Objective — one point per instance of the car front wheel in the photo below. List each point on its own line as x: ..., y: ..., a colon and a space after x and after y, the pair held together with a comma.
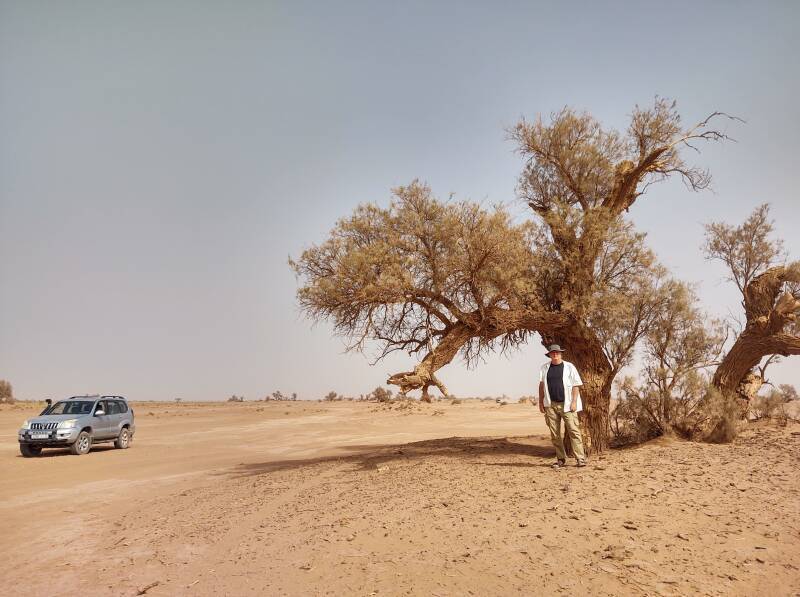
x: 123, y: 440
x: 29, y: 451
x: 82, y: 445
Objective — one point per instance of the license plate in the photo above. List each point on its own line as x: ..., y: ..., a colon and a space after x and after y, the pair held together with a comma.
x: 40, y: 435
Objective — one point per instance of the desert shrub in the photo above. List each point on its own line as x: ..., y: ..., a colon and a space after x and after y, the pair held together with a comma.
x: 455, y: 401
x: 331, y: 396
x: 6, y: 392
x: 380, y: 394
x: 771, y: 406
x: 235, y: 398
x: 703, y: 414
x: 632, y: 420
x: 722, y: 415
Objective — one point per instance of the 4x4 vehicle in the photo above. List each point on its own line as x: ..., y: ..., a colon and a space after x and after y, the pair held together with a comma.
x: 77, y: 423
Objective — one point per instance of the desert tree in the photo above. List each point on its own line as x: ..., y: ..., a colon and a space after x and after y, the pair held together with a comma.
x: 770, y: 288
x: 436, y: 279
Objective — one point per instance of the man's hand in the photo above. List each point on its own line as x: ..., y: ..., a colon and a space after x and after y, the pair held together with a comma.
x: 541, y: 406
x: 573, y: 406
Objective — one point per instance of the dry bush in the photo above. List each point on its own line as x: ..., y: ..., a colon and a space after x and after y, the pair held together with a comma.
x: 774, y: 405
x: 722, y: 416
x: 631, y: 423
x: 766, y: 407
x: 380, y: 394
x: 713, y: 417
x: 6, y: 392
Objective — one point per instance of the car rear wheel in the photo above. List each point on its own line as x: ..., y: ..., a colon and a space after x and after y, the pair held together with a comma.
x: 29, y: 451
x: 123, y: 440
x: 81, y: 445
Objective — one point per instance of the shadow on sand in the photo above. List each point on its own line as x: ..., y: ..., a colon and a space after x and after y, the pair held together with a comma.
x: 370, y: 457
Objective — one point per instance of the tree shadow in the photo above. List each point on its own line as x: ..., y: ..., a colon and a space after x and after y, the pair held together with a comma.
x: 370, y: 457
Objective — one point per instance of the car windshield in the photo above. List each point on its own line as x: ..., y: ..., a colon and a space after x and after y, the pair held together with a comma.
x: 71, y: 407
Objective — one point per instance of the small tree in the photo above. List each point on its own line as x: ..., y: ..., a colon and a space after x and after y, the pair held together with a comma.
x: 331, y: 396
x: 294, y: 396
x: 679, y: 346
x: 235, y: 398
x: 6, y: 392
x: 277, y: 395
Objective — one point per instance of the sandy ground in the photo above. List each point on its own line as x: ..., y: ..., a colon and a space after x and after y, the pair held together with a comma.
x: 361, y: 499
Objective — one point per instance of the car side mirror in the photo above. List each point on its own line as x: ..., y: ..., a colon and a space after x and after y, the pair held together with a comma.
x: 99, y: 413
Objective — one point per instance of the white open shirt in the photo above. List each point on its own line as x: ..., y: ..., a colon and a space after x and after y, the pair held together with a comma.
x: 571, y: 379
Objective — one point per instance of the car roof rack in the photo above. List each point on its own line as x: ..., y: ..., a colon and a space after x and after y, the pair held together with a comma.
x: 94, y: 396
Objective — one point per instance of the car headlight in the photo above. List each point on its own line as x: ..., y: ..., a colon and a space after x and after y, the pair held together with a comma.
x: 26, y: 424
x: 68, y: 424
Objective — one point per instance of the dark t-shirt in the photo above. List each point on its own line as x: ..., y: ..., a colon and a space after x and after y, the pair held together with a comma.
x: 555, y: 382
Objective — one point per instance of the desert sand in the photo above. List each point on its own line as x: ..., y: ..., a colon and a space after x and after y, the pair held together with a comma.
x: 346, y: 498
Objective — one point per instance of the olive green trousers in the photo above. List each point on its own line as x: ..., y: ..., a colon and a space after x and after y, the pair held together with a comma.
x: 553, y: 414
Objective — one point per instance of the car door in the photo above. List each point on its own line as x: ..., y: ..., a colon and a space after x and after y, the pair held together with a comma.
x: 101, y: 423
x: 114, y: 417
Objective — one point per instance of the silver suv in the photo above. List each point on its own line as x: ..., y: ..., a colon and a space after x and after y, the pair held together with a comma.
x: 77, y: 423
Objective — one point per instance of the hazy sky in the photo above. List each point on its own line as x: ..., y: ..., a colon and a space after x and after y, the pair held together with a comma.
x: 160, y: 161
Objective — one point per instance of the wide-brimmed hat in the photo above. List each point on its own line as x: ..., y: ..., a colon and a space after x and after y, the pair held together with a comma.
x: 554, y: 348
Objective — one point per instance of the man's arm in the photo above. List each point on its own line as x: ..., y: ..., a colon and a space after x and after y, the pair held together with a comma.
x: 573, y: 406
x: 541, y: 396
x: 576, y: 382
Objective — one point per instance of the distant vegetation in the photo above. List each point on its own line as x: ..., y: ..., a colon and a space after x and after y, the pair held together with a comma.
x: 6, y: 392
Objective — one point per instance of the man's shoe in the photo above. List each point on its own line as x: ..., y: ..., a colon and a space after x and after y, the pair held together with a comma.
x: 559, y: 464
x: 581, y: 463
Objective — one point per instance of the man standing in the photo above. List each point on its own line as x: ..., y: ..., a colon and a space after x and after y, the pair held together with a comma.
x: 559, y: 398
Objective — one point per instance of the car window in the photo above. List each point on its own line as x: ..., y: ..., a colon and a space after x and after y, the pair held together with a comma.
x: 123, y: 408
x: 113, y: 407
x: 70, y: 407
x: 101, y: 405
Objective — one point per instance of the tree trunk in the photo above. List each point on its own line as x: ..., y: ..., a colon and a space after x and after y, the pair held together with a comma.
x: 746, y: 353
x: 423, y: 376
